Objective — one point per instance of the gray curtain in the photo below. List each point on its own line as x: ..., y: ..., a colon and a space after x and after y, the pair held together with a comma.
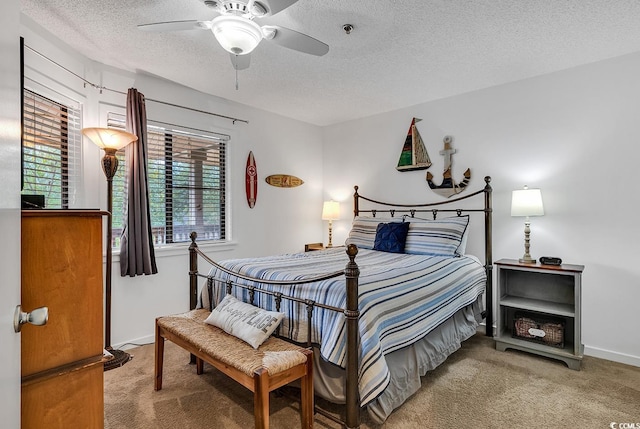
x: 137, y: 255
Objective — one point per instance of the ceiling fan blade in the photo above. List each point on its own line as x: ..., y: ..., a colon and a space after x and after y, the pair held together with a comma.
x: 240, y: 62
x: 176, y: 26
x: 274, y: 6
x: 293, y: 40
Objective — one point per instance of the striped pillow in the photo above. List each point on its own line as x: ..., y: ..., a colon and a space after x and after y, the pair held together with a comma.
x: 363, y: 231
x: 440, y: 237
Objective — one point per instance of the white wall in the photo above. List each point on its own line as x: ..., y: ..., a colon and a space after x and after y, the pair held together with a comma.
x: 574, y: 134
x: 283, y: 220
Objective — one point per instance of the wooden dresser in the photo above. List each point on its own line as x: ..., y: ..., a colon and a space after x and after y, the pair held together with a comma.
x: 62, y: 361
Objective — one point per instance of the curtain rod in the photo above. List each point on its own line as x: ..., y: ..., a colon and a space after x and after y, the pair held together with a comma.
x: 101, y: 88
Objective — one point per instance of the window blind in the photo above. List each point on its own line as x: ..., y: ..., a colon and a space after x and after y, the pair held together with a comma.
x: 186, y: 170
x: 51, y: 141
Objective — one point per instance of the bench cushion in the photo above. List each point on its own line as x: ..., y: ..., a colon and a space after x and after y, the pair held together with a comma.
x: 275, y: 355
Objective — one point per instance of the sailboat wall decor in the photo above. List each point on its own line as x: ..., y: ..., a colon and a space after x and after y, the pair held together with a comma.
x: 414, y: 154
x: 448, y: 187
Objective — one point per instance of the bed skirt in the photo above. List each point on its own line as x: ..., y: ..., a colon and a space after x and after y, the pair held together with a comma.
x: 406, y: 365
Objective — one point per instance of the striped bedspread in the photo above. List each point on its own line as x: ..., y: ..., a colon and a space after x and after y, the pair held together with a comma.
x: 401, y: 299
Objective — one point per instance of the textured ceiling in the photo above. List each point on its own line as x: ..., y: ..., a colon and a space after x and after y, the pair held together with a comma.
x: 400, y: 53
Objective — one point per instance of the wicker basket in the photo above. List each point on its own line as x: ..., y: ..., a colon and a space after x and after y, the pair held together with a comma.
x: 538, y: 329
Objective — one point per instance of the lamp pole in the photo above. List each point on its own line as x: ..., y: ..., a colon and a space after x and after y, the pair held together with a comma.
x: 110, y: 168
x: 527, y: 259
x: 110, y: 140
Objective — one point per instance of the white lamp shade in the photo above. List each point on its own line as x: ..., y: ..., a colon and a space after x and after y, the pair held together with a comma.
x: 527, y: 202
x: 107, y: 138
x: 235, y: 34
x: 330, y: 210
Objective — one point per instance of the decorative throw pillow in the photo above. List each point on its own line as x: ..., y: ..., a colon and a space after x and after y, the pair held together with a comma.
x: 391, y: 237
x: 245, y: 321
x: 363, y: 231
x: 440, y: 237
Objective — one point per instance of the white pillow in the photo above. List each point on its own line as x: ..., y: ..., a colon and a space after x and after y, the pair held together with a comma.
x: 245, y: 321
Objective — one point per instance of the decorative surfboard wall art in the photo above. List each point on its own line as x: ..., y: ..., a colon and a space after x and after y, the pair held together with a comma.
x: 251, y: 178
x: 448, y: 187
x: 283, y: 181
x: 414, y: 154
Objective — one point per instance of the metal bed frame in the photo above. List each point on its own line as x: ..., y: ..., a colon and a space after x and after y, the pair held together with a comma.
x: 351, y: 274
x: 432, y: 208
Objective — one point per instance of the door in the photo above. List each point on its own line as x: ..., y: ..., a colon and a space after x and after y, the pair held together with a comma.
x: 9, y: 211
x: 65, y: 275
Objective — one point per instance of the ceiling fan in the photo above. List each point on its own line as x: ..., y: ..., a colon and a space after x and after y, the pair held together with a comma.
x: 238, y: 33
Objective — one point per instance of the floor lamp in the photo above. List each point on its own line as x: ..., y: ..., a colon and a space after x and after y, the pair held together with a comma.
x: 110, y: 141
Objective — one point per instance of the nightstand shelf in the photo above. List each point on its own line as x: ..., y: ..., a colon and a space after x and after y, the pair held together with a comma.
x: 540, y: 293
x: 538, y: 305
x: 551, y: 352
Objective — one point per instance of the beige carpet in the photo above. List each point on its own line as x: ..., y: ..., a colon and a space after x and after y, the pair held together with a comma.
x: 477, y: 387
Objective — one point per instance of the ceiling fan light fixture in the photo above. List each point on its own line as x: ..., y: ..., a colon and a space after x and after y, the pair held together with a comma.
x: 235, y: 34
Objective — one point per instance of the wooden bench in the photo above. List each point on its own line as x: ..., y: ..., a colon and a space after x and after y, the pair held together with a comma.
x: 274, y: 364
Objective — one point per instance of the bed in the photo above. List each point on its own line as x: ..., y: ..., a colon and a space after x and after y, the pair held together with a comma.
x: 378, y: 316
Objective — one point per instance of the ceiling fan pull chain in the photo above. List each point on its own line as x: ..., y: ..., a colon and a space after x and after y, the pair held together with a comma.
x: 236, y: 79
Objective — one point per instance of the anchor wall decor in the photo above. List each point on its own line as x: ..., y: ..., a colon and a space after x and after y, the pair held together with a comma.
x: 448, y: 187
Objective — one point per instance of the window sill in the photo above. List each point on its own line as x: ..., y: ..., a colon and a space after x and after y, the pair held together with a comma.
x: 182, y: 249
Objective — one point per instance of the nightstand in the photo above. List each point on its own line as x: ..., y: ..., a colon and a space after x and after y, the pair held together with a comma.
x: 313, y: 246
x: 539, y: 309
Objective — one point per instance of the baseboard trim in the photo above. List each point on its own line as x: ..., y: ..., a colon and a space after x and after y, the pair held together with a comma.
x: 594, y: 352
x: 612, y: 356
x: 149, y: 339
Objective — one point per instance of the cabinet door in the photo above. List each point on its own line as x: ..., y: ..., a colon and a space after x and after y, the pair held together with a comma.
x: 62, y: 270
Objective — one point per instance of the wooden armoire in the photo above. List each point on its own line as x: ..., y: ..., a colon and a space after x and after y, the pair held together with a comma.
x: 62, y: 361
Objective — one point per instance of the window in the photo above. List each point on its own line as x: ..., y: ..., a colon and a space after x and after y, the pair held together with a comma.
x: 186, y: 172
x: 51, y: 141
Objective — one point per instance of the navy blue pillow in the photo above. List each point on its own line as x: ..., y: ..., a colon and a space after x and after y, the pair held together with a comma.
x: 391, y: 237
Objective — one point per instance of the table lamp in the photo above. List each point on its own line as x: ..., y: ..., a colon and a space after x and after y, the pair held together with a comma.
x: 330, y: 212
x: 527, y: 202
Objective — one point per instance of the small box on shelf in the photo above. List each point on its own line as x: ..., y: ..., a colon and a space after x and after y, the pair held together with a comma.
x: 313, y: 246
